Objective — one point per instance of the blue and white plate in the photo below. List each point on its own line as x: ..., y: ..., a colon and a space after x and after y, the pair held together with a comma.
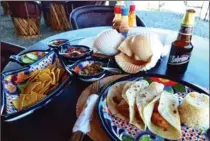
x: 9, y: 79
x: 121, y: 130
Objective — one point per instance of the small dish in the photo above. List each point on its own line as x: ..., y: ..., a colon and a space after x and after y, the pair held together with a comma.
x: 57, y: 43
x: 75, y: 52
x: 89, y: 70
x: 29, y: 57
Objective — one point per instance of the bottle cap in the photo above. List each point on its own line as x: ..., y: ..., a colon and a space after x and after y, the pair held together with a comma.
x: 125, y: 11
x: 117, y: 9
x: 189, y: 18
x: 132, y: 7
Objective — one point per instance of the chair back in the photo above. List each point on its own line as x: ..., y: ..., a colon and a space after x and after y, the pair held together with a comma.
x: 71, y: 5
x: 8, y: 49
x: 93, y: 15
x: 25, y: 9
x: 45, y: 6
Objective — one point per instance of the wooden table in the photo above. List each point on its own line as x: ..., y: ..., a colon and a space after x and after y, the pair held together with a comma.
x: 55, y: 121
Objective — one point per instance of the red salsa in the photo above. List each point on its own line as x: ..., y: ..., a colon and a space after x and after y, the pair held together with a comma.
x: 75, y: 52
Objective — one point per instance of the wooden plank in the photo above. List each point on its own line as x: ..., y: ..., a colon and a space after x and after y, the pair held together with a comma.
x: 21, y: 26
x: 54, y: 13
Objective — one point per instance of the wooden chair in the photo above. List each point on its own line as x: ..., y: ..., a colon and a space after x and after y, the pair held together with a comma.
x: 92, y: 16
x: 8, y: 49
x: 5, y: 7
x: 71, y: 5
x: 58, y: 16
x: 26, y: 17
x: 46, y: 12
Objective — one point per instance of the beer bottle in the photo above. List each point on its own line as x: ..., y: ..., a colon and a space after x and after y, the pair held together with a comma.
x: 182, y: 47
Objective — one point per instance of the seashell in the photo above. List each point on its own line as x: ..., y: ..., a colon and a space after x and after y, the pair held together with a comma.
x: 139, y: 46
x: 107, y: 42
x: 126, y: 64
x: 132, y: 53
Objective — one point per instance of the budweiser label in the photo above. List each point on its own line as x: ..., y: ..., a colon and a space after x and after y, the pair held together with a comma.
x: 179, y: 59
x: 186, y: 30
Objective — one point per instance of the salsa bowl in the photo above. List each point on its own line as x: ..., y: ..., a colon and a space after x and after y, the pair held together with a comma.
x: 89, y: 69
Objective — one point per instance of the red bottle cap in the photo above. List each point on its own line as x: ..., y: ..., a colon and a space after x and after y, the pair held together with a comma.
x: 132, y: 7
x: 117, y: 9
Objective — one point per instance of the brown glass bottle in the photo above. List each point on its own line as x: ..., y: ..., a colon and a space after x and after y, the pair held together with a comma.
x: 181, y: 48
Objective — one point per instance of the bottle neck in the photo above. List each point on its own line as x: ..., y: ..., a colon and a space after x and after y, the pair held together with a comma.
x: 132, y: 12
x: 186, y: 30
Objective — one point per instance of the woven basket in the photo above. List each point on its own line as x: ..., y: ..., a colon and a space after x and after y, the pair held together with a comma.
x: 27, y: 28
x: 59, y: 20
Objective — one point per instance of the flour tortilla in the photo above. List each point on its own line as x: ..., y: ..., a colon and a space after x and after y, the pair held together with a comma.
x: 125, y: 88
x: 147, y: 95
x: 168, y: 108
x: 134, y: 115
x: 115, y: 92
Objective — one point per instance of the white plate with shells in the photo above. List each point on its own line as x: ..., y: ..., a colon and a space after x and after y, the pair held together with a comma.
x: 140, y: 51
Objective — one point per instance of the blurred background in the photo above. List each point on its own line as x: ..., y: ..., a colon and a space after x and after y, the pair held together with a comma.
x: 157, y: 14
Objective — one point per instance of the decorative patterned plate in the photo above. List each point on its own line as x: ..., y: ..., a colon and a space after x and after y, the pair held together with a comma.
x: 121, y: 130
x: 11, y: 82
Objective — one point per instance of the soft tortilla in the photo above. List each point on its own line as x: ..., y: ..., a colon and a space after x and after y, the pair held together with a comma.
x: 115, y: 92
x: 130, y: 95
x: 145, y: 96
x: 125, y: 88
x: 167, y: 105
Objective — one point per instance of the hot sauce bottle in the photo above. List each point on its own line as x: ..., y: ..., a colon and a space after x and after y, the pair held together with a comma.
x: 117, y: 19
x: 124, y: 26
x: 132, y: 16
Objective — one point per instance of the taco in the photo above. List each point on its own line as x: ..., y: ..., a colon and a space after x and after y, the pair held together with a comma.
x: 115, y: 102
x: 145, y: 96
x: 130, y: 95
x: 162, y: 116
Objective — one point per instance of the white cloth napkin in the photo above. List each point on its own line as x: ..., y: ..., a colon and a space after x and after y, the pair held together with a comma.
x: 83, y: 122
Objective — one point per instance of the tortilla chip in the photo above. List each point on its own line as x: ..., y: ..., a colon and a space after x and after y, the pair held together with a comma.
x: 53, y: 82
x: 58, y: 71
x: 30, y: 87
x: 45, y: 77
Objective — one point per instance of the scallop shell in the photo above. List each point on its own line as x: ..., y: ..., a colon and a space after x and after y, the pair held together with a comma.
x: 107, y: 42
x: 142, y: 47
x: 126, y: 64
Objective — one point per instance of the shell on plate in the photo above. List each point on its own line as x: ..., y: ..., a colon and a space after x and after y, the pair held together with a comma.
x: 126, y: 64
x: 107, y: 42
x: 138, y: 46
x: 139, y: 52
